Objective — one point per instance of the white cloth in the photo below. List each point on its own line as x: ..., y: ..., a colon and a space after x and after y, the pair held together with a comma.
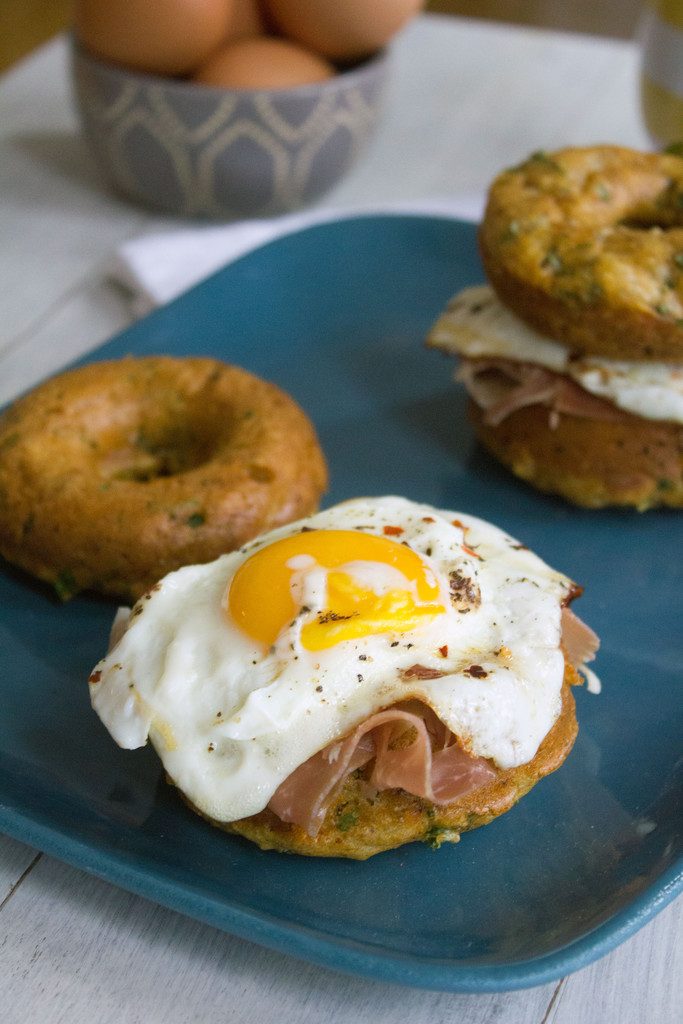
x: 157, y: 268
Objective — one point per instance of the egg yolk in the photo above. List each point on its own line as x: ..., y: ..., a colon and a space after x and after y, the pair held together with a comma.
x: 391, y: 590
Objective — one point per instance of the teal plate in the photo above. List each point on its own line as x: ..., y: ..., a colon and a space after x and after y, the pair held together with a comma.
x: 336, y: 315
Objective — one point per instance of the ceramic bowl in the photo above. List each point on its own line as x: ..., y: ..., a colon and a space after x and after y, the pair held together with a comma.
x: 201, y: 151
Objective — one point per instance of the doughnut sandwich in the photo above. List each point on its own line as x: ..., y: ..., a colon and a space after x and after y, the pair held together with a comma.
x: 375, y: 674
x: 573, y: 353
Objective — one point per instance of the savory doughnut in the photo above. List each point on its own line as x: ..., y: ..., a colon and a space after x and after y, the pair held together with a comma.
x: 586, y: 246
x: 592, y: 462
x: 597, y: 431
x: 333, y: 706
x: 113, y: 474
x: 361, y: 823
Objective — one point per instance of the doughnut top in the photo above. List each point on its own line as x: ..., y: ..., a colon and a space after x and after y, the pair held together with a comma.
x: 586, y: 246
x: 114, y: 473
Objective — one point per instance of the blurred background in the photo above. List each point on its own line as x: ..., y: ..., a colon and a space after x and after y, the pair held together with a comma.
x: 25, y: 24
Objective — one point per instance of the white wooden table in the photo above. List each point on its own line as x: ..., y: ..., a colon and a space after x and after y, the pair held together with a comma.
x: 467, y: 99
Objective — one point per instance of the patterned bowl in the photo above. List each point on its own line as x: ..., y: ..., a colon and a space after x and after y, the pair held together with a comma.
x: 208, y: 152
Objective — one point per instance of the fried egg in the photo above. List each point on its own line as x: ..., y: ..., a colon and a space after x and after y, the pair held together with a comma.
x: 476, y: 324
x: 241, y: 669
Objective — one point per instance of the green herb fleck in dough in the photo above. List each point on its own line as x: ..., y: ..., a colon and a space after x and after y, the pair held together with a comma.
x: 595, y: 292
x: 512, y: 231
x: 347, y: 820
x: 439, y: 834
x: 553, y: 262
x: 10, y: 440
x: 541, y: 157
x: 196, y: 519
x: 65, y: 585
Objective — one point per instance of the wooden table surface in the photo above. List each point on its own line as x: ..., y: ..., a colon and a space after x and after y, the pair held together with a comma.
x: 466, y: 99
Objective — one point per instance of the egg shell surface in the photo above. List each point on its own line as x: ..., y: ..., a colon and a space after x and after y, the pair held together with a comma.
x: 263, y: 62
x: 246, y: 19
x: 343, y: 30
x: 163, y: 37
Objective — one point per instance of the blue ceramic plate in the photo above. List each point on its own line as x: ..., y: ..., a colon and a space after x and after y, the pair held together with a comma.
x: 337, y: 315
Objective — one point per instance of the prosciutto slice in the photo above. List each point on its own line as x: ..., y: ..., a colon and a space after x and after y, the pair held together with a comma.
x: 412, y: 750
x: 578, y: 639
x: 502, y: 386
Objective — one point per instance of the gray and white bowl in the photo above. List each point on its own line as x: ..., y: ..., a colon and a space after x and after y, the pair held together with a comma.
x: 201, y: 151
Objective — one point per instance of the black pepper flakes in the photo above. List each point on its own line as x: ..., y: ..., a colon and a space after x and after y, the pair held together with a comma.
x: 476, y: 671
x: 464, y: 591
x: 325, y: 617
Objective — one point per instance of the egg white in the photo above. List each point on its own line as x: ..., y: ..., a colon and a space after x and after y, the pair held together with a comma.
x: 231, y: 721
x: 476, y: 324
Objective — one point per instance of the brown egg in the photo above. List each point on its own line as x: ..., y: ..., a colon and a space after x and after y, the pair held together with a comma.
x: 263, y: 62
x: 342, y: 30
x: 246, y: 19
x: 164, y: 37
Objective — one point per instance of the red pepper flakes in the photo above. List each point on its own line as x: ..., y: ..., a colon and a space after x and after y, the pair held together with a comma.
x: 422, y: 672
x: 95, y: 677
x: 470, y: 551
x: 443, y: 651
x: 393, y: 531
x: 476, y: 671
x: 456, y: 522
x: 428, y: 519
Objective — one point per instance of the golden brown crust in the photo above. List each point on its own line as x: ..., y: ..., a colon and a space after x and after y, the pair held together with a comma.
x: 630, y: 461
x: 357, y: 825
x: 114, y: 474
x: 586, y: 245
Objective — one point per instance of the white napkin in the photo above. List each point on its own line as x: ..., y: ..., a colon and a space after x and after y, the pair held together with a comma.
x: 157, y: 268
